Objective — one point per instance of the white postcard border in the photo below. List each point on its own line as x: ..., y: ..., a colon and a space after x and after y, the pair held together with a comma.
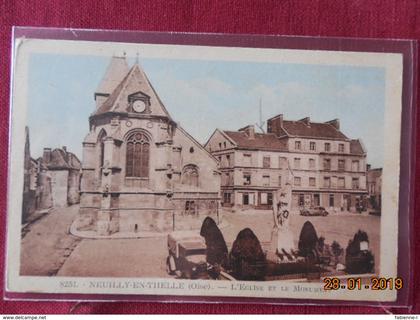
x: 391, y: 62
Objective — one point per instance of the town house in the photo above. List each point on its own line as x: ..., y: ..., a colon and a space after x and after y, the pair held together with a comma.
x: 324, y: 166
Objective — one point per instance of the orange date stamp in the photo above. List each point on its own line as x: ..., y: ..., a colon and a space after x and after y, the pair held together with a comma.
x: 374, y: 283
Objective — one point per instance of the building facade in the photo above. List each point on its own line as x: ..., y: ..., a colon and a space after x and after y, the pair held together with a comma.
x: 252, y: 165
x: 324, y: 167
x: 374, y: 186
x: 63, y: 169
x: 52, y: 180
x: 141, y: 170
x: 30, y: 170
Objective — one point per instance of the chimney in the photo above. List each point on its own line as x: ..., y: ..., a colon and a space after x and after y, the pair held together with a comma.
x: 249, y: 130
x: 46, y: 156
x: 335, y: 123
x: 368, y: 166
x: 275, y: 124
x: 306, y: 121
x: 65, y: 149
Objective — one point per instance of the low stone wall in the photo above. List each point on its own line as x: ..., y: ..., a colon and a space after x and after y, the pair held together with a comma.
x: 194, y: 222
x: 87, y: 219
x: 135, y: 213
x: 138, y: 221
x: 160, y: 220
x: 144, y: 220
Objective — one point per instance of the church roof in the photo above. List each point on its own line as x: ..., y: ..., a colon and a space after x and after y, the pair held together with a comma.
x: 114, y: 74
x: 134, y: 81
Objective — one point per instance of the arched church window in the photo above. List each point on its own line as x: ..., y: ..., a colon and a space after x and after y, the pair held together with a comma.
x: 190, y: 175
x: 137, y: 156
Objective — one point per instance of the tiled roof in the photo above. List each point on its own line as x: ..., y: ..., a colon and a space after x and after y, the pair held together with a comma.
x: 266, y: 141
x: 356, y: 147
x: 314, y: 129
x: 61, y: 159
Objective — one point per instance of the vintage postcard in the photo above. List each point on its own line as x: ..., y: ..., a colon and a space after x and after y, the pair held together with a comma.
x: 183, y: 170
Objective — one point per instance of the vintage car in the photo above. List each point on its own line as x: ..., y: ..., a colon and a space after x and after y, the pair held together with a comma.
x: 187, y: 255
x: 314, y: 211
x: 359, y: 258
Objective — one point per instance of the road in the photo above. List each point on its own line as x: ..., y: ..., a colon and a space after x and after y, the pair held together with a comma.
x: 48, y: 249
x: 117, y: 258
x: 47, y: 243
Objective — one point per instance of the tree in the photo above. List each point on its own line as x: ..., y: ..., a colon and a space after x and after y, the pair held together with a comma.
x: 247, y: 257
x: 217, y: 252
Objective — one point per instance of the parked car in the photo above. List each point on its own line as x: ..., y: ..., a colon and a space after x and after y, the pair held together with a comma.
x: 187, y: 255
x: 313, y: 211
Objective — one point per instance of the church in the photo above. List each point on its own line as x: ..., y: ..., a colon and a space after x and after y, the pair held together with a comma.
x: 141, y: 171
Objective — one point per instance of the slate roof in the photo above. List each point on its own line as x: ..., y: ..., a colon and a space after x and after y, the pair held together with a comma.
x: 356, y: 147
x: 270, y: 141
x: 116, y: 71
x: 262, y: 141
x: 313, y: 130
x: 110, y: 102
x: 134, y: 81
x: 374, y: 173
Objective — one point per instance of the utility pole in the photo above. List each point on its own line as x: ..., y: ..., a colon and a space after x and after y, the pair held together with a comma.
x: 261, y: 123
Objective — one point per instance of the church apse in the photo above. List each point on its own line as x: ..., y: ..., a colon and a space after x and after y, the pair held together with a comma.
x: 141, y: 170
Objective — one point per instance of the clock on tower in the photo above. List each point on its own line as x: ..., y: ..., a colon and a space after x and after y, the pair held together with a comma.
x: 139, y: 106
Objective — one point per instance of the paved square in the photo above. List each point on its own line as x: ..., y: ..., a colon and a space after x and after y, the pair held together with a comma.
x: 146, y: 257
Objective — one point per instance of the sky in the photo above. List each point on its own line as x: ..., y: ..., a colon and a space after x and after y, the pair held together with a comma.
x: 205, y: 95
